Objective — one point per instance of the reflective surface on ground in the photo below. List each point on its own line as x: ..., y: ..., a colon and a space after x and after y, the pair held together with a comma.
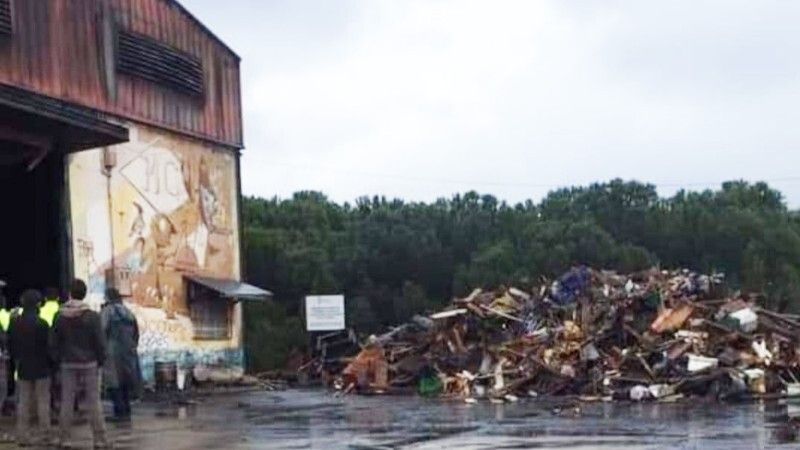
x: 314, y: 419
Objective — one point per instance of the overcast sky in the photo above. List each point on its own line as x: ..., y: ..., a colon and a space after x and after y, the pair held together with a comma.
x: 420, y: 99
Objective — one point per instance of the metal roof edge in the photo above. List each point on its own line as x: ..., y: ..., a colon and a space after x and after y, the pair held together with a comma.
x: 197, y: 21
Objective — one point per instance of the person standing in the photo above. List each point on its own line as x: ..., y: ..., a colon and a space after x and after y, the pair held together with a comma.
x: 121, y: 373
x: 50, y: 306
x: 28, y: 341
x: 80, y: 346
x: 5, y: 321
x: 48, y: 312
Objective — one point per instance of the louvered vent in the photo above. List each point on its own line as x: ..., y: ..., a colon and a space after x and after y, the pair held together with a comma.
x: 5, y: 17
x: 146, y: 58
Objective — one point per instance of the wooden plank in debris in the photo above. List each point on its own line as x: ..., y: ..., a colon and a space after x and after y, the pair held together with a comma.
x: 448, y: 314
x: 519, y: 293
x: 475, y: 310
x: 471, y: 297
x: 501, y: 314
x: 777, y: 316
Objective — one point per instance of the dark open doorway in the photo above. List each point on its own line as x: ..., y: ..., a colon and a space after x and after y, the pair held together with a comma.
x: 32, y: 222
x: 36, y: 133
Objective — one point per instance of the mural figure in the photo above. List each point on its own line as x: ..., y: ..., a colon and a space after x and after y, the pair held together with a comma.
x: 137, y: 227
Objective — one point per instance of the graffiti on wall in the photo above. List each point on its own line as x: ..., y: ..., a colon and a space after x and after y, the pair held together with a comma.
x: 158, y: 208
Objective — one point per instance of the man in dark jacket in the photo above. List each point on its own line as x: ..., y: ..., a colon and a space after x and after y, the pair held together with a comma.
x: 28, y: 341
x: 121, y: 373
x: 80, y: 346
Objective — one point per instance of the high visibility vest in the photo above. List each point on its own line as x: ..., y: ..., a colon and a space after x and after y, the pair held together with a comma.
x: 5, y: 319
x: 48, y: 311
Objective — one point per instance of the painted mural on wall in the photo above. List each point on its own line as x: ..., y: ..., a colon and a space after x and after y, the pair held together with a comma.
x: 155, y: 209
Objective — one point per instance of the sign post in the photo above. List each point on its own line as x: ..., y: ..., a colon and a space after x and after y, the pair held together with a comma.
x: 325, y: 313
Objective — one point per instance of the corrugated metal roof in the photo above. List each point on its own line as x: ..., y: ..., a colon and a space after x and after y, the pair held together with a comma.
x: 231, y: 288
x: 67, y: 49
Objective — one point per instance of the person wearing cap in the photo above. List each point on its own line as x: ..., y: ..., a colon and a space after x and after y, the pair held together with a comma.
x: 121, y: 372
x: 28, y: 338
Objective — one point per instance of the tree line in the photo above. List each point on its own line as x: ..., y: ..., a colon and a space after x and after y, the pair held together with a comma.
x: 393, y: 258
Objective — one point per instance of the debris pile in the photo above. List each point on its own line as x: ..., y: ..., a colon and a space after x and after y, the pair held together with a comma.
x: 653, y: 335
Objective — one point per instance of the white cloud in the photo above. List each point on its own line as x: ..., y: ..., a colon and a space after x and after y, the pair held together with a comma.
x: 422, y: 98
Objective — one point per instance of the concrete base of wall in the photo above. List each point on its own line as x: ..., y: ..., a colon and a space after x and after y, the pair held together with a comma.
x: 188, y: 359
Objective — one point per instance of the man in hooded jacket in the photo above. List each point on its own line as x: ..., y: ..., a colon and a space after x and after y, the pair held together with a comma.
x: 28, y: 341
x: 80, y: 346
x: 121, y: 373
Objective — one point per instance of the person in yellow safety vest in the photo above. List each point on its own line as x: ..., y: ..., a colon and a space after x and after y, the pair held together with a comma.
x: 50, y: 307
x: 5, y: 314
x: 5, y: 321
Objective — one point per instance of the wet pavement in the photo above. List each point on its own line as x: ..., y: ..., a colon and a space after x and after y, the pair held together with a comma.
x: 314, y: 419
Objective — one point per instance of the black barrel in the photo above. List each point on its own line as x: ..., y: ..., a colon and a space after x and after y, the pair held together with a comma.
x: 166, y: 376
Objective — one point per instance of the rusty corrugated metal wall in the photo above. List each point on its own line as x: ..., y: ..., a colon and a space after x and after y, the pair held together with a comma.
x: 60, y: 48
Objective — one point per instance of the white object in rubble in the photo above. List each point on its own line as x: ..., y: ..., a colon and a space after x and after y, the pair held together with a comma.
x: 181, y: 379
x: 793, y: 389
x: 466, y: 375
x: 499, y: 381
x: 639, y: 393
x: 533, y: 394
x: 760, y: 347
x: 754, y: 374
x: 691, y: 335
x: 470, y: 401
x: 589, y: 352
x: 699, y: 362
x: 660, y: 390
x: 629, y: 286
x: 748, y: 319
x: 511, y: 398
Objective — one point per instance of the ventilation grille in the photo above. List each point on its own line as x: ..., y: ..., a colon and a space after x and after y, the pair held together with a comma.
x: 5, y: 17
x: 143, y: 57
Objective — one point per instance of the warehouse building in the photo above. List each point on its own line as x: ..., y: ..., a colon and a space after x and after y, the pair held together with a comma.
x: 120, y: 137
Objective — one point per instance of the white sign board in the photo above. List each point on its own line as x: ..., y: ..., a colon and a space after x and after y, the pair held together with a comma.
x: 324, y: 312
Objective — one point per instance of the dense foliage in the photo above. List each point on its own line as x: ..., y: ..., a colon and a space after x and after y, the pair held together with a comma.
x: 392, y: 258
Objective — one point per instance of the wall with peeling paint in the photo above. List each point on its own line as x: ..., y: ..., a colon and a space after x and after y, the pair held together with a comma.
x: 165, y: 207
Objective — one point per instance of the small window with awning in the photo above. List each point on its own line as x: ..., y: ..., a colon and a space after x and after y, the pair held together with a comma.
x: 211, y: 304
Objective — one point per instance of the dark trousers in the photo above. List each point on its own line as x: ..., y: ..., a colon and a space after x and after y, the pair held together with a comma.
x: 121, y: 397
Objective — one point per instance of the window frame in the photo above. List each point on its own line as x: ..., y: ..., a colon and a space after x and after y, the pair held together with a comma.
x: 204, y: 303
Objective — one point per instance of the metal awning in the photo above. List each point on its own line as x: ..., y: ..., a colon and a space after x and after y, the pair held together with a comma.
x: 73, y: 126
x: 232, y: 289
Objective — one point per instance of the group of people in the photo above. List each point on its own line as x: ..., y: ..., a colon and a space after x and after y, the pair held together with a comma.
x: 45, y: 342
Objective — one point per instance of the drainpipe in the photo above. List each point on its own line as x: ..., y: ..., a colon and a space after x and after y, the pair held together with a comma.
x: 109, y: 161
